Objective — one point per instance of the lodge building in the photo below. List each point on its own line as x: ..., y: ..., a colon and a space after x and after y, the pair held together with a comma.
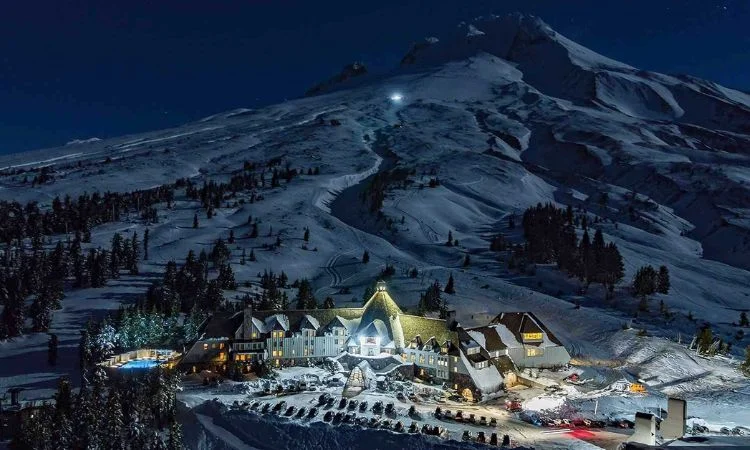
x: 471, y: 360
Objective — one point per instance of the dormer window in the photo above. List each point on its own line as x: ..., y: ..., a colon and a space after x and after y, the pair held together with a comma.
x: 532, y: 336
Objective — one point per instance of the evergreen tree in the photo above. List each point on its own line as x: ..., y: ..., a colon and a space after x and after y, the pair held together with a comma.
x: 252, y: 255
x: 134, y: 254
x: 305, y: 298
x: 432, y: 297
x: 705, y: 340
x: 114, y: 425
x: 449, y: 289
x: 230, y: 239
x: 254, y: 232
x: 449, y: 243
x: 365, y: 257
x: 175, y: 436
x: 226, y: 277
x: 52, y: 350
x: 467, y: 260
x: 743, y: 320
x: 745, y: 366
x: 115, y: 256
x: 242, y: 258
x: 306, y: 236
x: 645, y: 282
x: 145, y: 245
x: 663, y: 283
x: 328, y: 303
x: 195, y: 220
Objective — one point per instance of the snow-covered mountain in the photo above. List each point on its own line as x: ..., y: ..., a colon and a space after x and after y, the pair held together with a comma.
x: 507, y: 113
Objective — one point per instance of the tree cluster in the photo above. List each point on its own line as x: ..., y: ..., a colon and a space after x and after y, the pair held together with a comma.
x: 551, y: 238
x: 139, y: 413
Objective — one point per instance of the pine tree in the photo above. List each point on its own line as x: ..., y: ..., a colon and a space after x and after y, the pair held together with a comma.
x: 305, y: 298
x: 467, y: 260
x: 254, y: 232
x: 145, y: 245
x: 365, y: 257
x: 663, y: 280
x: 743, y: 320
x: 705, y: 340
x: 226, y: 277
x: 745, y: 366
x: 449, y: 289
x: 252, y: 255
x: 175, y: 436
x: 195, y: 220
x: 449, y: 243
x: 645, y: 282
x: 52, y: 350
x: 306, y: 236
x: 328, y: 303
x: 230, y: 239
x: 114, y: 425
x: 134, y: 254
x: 242, y: 258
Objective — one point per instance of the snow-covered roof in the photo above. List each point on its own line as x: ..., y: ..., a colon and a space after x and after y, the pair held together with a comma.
x: 311, y: 321
x: 487, y: 379
x: 277, y: 319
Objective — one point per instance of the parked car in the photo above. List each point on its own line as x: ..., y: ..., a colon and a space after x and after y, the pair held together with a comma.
x: 342, y: 403
x: 483, y: 421
x: 389, y: 409
x: 413, y: 427
x: 313, y: 412
x: 481, y: 438
x: 353, y: 404
x: 290, y: 411
x: 471, y: 419
x: 493, y: 439
x: 363, y: 406
x: 447, y: 415
x: 301, y: 412
x: 399, y: 427
x: 493, y: 422
x: 467, y: 436
x: 401, y: 396
x: 323, y: 398
x: 328, y: 416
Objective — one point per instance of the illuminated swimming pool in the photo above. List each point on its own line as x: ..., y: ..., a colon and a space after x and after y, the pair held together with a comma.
x: 141, y: 364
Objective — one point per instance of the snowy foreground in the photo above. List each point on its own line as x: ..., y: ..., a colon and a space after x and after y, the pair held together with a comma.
x: 504, y: 124
x: 220, y: 423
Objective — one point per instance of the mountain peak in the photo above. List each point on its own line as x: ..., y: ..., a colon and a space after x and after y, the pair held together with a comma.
x: 514, y: 37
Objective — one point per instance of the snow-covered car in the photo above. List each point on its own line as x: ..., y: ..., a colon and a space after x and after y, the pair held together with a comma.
x: 342, y: 403
x: 301, y: 412
x: 481, y: 437
x: 353, y: 404
x: 493, y: 422
x: 328, y: 416
x: 290, y: 411
x: 363, y: 406
x: 313, y: 412
x: 467, y: 436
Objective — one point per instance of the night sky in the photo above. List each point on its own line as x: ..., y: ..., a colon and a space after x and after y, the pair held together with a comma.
x: 77, y: 69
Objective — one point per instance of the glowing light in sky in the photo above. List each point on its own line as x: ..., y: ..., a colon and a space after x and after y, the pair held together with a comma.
x: 396, y: 97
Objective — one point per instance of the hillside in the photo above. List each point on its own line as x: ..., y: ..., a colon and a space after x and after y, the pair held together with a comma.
x: 505, y: 113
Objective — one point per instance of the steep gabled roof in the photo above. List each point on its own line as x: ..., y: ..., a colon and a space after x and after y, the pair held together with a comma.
x: 523, y: 322
x: 222, y: 324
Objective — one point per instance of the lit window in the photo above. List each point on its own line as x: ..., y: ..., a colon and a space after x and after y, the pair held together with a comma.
x: 213, y: 345
x: 432, y: 360
x: 455, y: 369
x: 205, y: 346
x: 412, y: 357
x: 221, y: 346
x: 421, y: 359
x: 254, y: 335
x: 455, y: 359
x: 534, y: 351
x: 532, y: 336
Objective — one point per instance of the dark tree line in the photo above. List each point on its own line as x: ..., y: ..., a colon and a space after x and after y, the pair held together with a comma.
x: 138, y: 413
x: 551, y: 238
x: 43, y: 275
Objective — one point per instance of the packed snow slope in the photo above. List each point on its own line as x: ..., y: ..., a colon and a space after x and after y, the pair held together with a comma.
x: 506, y: 113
